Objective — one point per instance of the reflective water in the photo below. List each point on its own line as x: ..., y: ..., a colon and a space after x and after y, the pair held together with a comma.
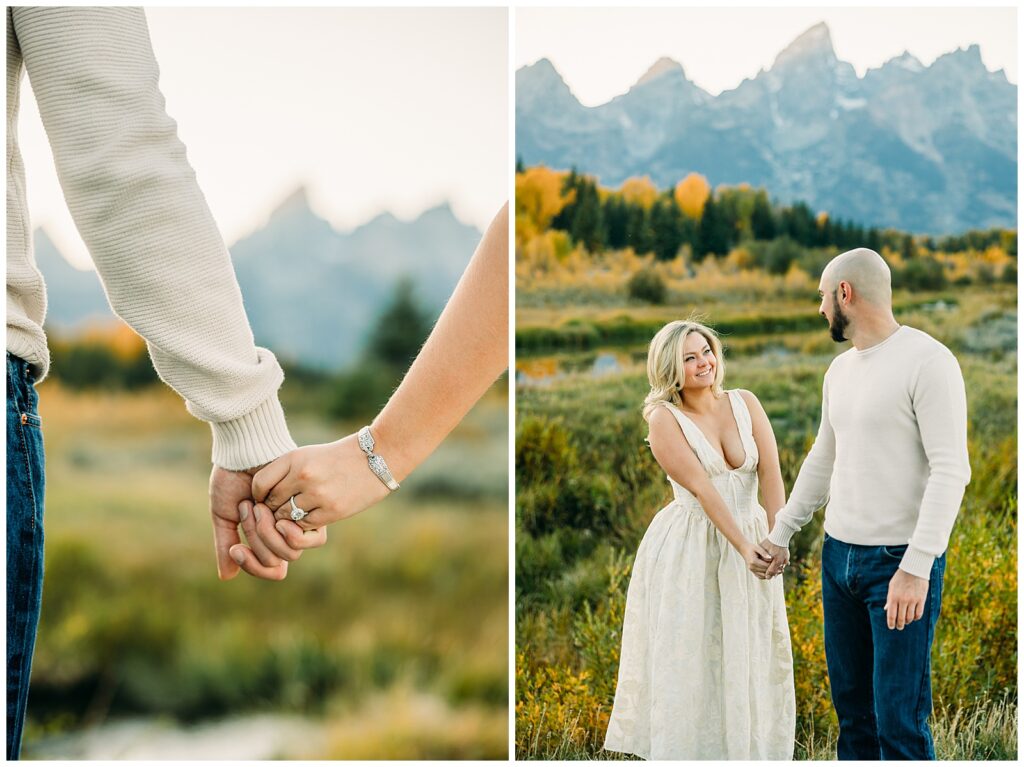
x: 256, y: 737
x: 542, y: 371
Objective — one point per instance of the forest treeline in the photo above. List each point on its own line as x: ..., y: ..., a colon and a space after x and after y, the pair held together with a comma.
x: 696, y: 221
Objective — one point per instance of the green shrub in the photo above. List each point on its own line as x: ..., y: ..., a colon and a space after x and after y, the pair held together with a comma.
x: 920, y: 274
x: 647, y: 285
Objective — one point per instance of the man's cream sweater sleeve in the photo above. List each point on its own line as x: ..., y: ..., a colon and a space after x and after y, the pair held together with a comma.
x: 811, y: 489
x: 136, y: 203
x: 940, y: 405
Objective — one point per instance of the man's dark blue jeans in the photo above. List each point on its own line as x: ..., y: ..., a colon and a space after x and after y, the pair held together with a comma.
x: 881, y: 677
x: 24, y: 541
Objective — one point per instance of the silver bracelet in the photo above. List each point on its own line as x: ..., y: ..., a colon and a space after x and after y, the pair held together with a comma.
x: 377, y: 464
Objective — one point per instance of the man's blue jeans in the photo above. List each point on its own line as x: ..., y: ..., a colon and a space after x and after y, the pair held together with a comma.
x: 24, y: 541
x: 881, y: 677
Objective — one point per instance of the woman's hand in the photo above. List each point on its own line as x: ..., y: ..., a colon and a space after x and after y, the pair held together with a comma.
x: 757, y: 559
x: 269, y: 550
x: 329, y: 482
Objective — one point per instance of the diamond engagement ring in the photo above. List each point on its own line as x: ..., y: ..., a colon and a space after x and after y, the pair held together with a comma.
x: 297, y: 513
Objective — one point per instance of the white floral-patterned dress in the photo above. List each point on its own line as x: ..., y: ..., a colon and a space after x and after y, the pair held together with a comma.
x: 706, y: 668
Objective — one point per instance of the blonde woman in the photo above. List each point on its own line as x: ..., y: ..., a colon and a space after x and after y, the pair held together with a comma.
x: 706, y: 667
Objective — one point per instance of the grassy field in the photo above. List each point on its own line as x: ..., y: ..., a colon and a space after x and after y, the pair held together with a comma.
x: 587, y: 487
x: 392, y: 639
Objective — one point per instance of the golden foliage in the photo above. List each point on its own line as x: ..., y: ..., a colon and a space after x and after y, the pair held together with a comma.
x: 539, y: 198
x: 555, y: 707
x: 639, y: 190
x: 122, y: 341
x: 691, y: 193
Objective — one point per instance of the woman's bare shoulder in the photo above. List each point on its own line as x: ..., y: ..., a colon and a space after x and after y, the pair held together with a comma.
x: 661, y: 416
x: 750, y: 398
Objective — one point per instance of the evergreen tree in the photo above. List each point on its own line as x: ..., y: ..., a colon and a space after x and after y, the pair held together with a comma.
x: 639, y: 233
x: 565, y: 217
x: 798, y: 223
x: 587, y: 227
x: 616, y: 219
x: 688, y: 233
x: 824, y: 234
x: 713, y: 233
x: 762, y: 220
x: 907, y: 248
x: 400, y: 331
x: 665, y: 220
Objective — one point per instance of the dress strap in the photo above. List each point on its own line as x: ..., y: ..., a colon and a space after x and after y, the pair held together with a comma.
x: 744, y: 422
x: 695, y: 437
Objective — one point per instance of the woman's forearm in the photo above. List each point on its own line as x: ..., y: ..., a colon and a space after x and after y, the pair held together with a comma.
x: 773, y: 492
x: 466, y: 351
x: 716, y: 510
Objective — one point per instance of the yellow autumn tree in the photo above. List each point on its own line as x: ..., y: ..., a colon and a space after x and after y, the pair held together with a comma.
x: 539, y: 198
x: 691, y: 193
x: 639, y: 190
x: 123, y: 342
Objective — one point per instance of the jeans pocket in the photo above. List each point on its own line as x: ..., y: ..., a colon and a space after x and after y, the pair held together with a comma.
x: 895, y: 552
x: 31, y: 420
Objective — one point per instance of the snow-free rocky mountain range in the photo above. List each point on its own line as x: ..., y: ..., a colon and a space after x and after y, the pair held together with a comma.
x: 311, y: 293
x: 924, y: 149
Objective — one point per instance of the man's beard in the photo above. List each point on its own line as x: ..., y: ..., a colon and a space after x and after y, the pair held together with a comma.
x: 837, y: 327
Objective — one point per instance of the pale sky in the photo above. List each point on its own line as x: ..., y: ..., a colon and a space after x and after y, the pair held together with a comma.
x: 601, y: 52
x: 372, y: 109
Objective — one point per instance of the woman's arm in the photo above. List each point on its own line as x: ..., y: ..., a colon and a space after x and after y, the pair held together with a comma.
x: 769, y: 473
x: 466, y: 351
x: 674, y: 454
x: 464, y: 354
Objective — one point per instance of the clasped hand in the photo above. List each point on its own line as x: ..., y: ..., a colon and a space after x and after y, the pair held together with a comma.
x: 329, y: 482
x: 766, y: 560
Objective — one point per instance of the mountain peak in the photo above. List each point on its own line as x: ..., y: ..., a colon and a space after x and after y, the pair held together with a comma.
x: 540, y: 81
x: 440, y: 212
x: 964, y: 60
x: 659, y: 68
x: 908, y: 61
x: 542, y: 70
x: 814, y: 43
x: 296, y: 202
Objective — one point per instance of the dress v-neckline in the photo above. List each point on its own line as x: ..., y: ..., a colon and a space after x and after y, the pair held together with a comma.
x: 721, y: 455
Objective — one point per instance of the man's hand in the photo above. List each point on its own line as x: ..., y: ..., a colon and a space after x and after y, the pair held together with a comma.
x: 779, y: 555
x: 905, y: 603
x: 231, y: 505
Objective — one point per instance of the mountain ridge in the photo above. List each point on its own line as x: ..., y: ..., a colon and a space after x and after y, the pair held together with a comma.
x: 930, y: 149
x: 311, y: 292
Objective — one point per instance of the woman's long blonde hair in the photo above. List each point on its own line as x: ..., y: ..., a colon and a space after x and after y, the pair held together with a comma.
x: 665, y: 363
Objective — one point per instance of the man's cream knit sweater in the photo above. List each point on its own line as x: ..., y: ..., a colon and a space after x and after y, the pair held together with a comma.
x: 135, y: 201
x: 890, y: 457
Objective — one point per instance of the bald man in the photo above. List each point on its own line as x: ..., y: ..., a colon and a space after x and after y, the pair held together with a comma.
x: 890, y: 461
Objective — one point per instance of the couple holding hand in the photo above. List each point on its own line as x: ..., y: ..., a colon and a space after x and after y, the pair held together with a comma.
x: 706, y: 667
x: 167, y: 274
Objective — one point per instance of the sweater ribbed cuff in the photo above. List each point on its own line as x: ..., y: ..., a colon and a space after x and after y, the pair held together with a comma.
x: 253, y: 439
x: 917, y: 562
x: 781, y: 533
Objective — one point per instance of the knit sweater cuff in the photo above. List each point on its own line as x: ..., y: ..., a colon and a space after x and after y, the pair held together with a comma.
x: 782, y: 533
x: 917, y: 562
x: 252, y: 440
